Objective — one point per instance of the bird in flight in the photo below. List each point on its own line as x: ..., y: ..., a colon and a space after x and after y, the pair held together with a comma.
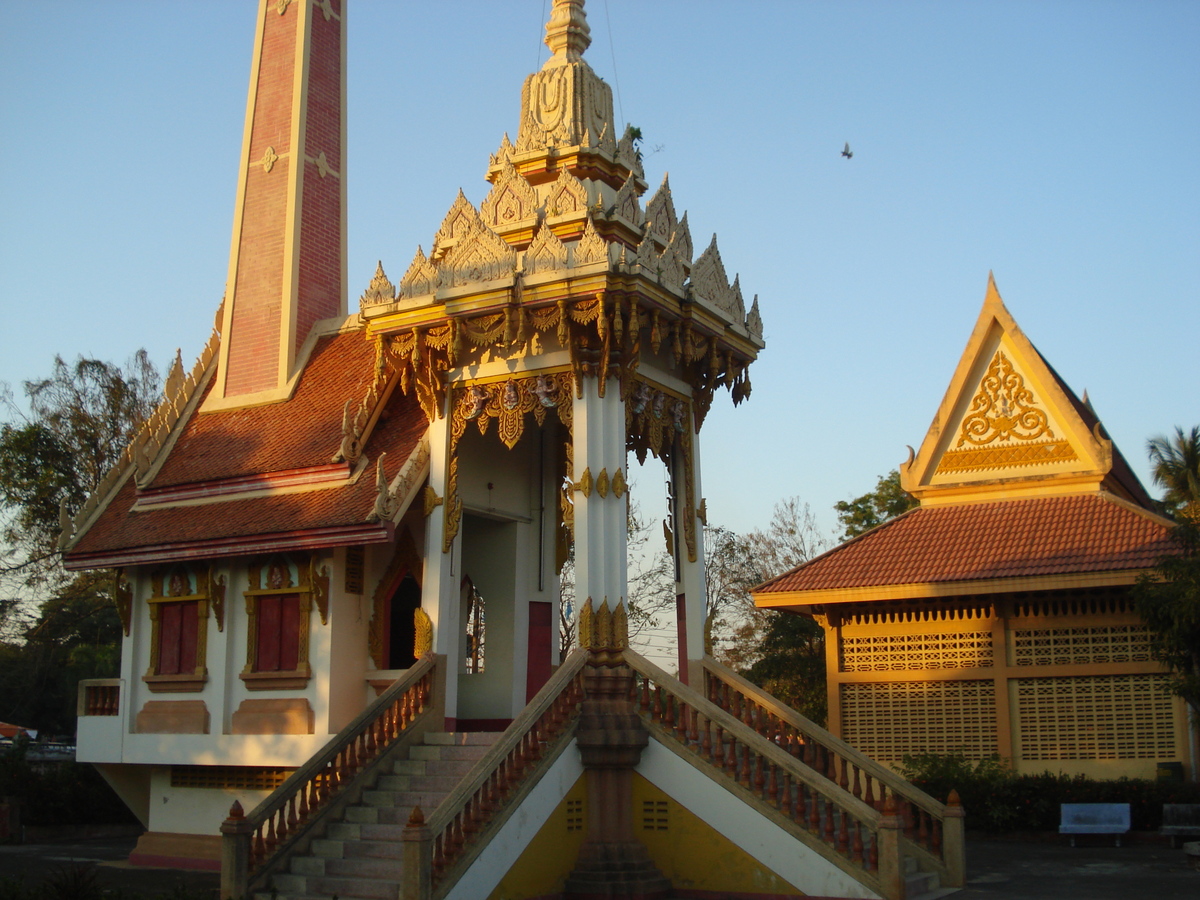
x: 846, y: 151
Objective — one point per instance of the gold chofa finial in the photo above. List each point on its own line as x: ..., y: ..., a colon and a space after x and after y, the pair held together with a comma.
x: 567, y: 32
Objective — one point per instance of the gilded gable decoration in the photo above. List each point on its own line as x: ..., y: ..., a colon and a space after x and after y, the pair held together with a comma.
x: 671, y: 271
x: 461, y: 220
x: 478, y: 255
x: 626, y: 152
x: 681, y: 241
x: 1008, y: 426
x: 511, y: 205
x: 394, y: 497
x: 504, y: 153
x: 420, y: 279
x: 754, y: 322
x: 711, y: 286
x: 1004, y: 426
x: 660, y: 214
x: 626, y: 203
x: 379, y: 291
x: 546, y: 254
x: 568, y: 195
x: 591, y: 248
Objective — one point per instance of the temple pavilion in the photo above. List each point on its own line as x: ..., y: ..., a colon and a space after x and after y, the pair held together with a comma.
x: 336, y: 546
x: 996, y: 618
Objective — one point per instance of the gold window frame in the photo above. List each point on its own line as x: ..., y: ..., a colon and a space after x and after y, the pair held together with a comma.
x: 272, y: 577
x: 174, y: 585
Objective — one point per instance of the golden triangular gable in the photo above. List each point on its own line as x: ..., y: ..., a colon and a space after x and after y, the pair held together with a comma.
x: 1007, y: 424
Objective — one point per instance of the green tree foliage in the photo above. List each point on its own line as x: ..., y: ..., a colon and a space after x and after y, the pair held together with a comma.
x: 1175, y: 465
x: 1168, y: 600
x: 781, y: 652
x: 887, y: 501
x: 791, y: 663
x: 60, y: 626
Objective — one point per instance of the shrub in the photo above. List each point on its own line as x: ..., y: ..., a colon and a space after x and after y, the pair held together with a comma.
x: 997, y: 799
x: 66, y: 793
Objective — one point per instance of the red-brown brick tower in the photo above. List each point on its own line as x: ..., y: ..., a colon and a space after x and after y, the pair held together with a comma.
x: 287, y: 259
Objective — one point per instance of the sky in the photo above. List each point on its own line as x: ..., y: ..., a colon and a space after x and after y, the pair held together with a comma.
x: 1054, y: 143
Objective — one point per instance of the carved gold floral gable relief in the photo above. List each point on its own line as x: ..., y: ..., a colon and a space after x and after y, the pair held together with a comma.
x: 1005, y: 426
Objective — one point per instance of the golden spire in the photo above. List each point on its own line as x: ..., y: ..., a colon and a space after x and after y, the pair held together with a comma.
x: 567, y: 32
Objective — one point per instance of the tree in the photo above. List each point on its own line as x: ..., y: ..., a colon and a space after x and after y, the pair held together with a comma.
x: 1176, y: 469
x: 79, y: 421
x: 887, y: 501
x: 62, y: 626
x: 1168, y: 600
x: 791, y: 663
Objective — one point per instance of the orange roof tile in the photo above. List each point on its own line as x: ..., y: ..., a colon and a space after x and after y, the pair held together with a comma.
x: 301, y: 432
x: 1003, y: 539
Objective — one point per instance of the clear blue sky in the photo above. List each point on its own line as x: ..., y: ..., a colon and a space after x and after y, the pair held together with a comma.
x: 1054, y: 143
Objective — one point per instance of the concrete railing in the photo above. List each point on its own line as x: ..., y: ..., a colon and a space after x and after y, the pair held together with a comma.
x: 931, y: 831
x: 438, y: 851
x: 254, y: 845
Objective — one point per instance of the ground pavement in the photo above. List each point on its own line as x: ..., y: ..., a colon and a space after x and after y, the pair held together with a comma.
x: 1012, y: 870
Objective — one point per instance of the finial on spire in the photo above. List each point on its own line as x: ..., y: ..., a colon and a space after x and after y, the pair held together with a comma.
x: 567, y: 32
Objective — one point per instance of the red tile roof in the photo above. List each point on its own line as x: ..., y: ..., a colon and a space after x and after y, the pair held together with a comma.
x: 301, y: 432
x: 1003, y: 539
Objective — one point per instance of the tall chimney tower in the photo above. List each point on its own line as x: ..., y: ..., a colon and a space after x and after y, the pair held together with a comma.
x: 287, y: 260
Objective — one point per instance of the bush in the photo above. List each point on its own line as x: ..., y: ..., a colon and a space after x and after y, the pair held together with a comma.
x: 997, y: 799
x: 66, y: 793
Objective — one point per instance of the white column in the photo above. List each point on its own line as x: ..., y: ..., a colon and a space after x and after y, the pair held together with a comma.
x: 600, y: 526
x: 691, y: 583
x: 439, y: 587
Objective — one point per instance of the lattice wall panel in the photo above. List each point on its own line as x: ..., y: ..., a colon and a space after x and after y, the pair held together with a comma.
x: 886, y: 721
x: 246, y: 778
x: 907, y: 652
x: 1114, y: 717
x: 1081, y: 646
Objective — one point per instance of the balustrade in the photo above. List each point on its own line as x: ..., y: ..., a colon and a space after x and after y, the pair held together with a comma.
x: 99, y: 697
x: 923, y: 819
x: 761, y: 763
x: 454, y: 828
x: 253, y: 841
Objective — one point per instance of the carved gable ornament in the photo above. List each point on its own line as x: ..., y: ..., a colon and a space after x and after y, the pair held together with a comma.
x: 379, y: 291
x: 711, y: 286
x: 511, y: 203
x: 461, y: 220
x: 626, y: 203
x: 1007, y: 423
x: 660, y: 214
x: 681, y: 241
x: 546, y: 254
x: 421, y: 277
x: 568, y: 195
x: 1004, y: 426
x: 480, y: 255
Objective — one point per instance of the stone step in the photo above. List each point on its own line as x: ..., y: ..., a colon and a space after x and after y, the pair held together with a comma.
x: 462, y: 738
x: 470, y: 752
x: 433, y: 783
x: 374, y: 850
x: 376, y: 867
x: 364, y: 888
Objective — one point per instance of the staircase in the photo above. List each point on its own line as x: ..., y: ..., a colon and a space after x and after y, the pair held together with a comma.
x: 360, y: 854
x: 340, y: 827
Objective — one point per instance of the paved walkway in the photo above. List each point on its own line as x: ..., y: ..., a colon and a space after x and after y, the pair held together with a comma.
x: 1052, y: 870
x: 1011, y: 870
